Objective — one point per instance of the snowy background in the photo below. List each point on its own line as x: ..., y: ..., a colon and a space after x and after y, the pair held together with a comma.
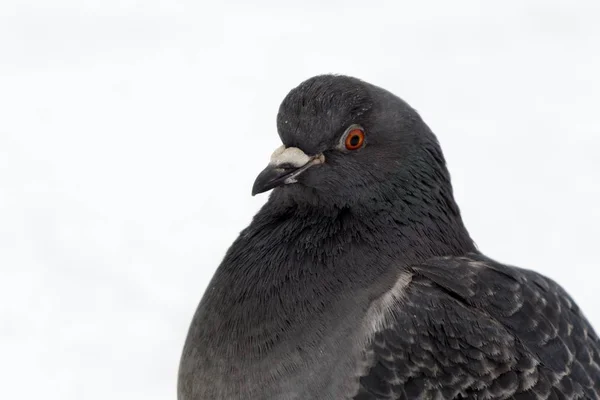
x: 131, y: 133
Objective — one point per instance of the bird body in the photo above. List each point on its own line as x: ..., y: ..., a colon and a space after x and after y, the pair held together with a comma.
x: 358, y: 279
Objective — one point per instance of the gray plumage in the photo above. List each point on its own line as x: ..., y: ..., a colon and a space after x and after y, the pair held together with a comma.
x: 358, y: 280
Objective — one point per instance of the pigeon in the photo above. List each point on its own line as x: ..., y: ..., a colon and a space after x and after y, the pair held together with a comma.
x: 358, y: 279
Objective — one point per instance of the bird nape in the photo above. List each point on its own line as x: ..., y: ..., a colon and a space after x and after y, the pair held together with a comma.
x: 358, y: 279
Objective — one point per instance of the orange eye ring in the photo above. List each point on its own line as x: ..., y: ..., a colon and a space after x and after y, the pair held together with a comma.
x: 355, y: 139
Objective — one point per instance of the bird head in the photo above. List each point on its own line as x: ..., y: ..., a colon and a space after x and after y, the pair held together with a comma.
x: 346, y: 143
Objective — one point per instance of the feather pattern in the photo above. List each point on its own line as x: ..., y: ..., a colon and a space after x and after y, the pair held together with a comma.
x: 469, y: 327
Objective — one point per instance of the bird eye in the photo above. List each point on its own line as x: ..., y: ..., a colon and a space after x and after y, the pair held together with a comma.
x: 355, y: 139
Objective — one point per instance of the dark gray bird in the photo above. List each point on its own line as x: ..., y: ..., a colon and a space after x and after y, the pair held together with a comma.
x: 358, y: 279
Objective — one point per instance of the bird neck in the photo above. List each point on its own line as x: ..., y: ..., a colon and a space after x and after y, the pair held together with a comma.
x: 294, y: 267
x: 290, y: 263
x: 408, y: 227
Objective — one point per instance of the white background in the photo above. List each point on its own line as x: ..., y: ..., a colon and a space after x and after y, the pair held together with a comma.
x: 131, y: 133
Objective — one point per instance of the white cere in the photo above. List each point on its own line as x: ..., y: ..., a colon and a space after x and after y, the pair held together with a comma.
x: 289, y: 155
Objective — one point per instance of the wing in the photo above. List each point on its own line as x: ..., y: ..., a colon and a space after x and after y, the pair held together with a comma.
x: 472, y: 328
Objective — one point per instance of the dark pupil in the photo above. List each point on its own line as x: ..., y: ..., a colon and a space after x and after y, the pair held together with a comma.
x: 354, y: 140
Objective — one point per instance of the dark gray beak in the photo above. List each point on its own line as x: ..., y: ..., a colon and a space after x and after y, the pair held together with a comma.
x: 285, y: 166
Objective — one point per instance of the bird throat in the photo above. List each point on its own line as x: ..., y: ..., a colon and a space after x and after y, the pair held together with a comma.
x: 291, y: 265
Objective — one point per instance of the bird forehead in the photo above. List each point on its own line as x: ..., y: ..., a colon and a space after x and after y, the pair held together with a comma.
x: 308, y: 132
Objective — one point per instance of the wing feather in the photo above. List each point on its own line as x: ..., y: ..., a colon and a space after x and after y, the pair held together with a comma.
x: 470, y: 327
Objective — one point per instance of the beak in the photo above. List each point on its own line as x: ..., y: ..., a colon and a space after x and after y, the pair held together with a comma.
x: 286, y: 164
